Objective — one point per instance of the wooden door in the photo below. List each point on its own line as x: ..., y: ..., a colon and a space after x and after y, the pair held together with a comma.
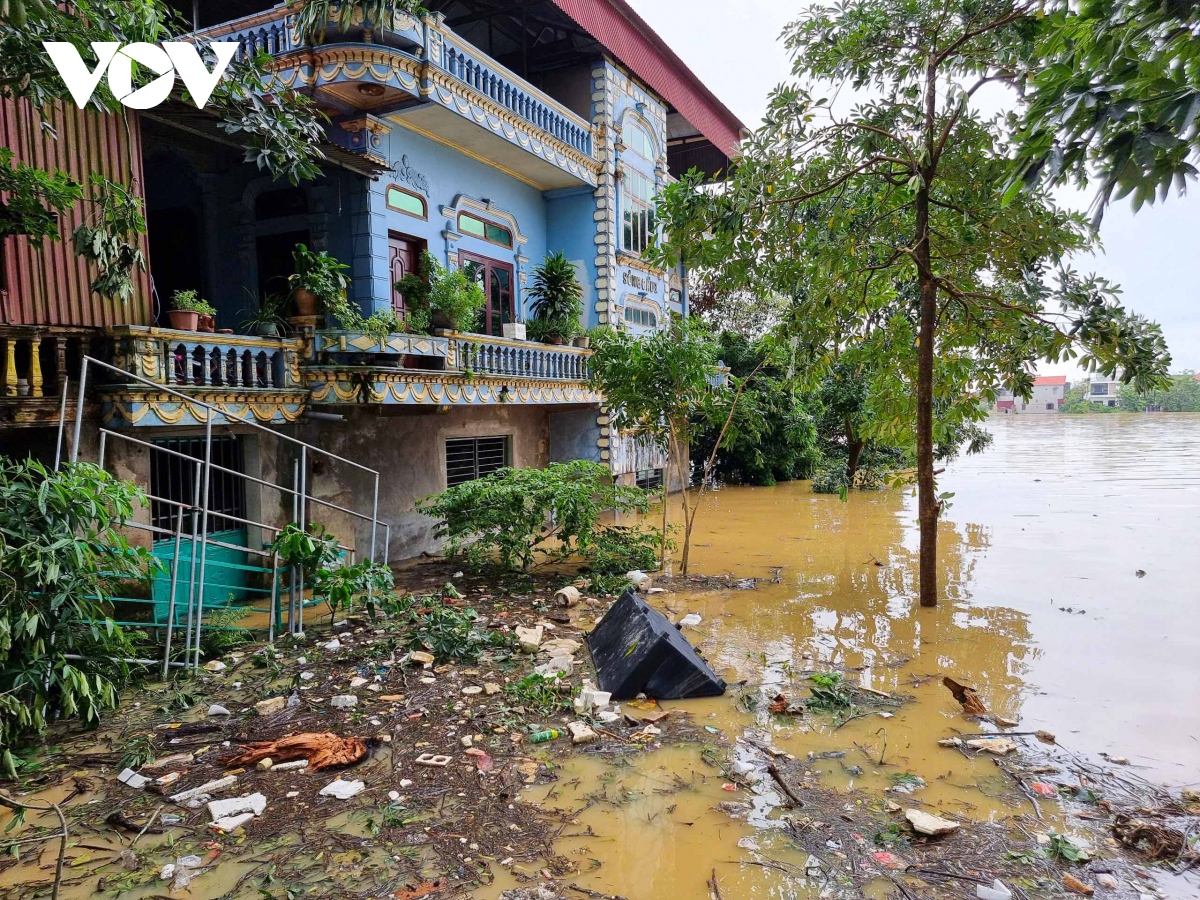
x: 496, y: 279
x: 404, y: 255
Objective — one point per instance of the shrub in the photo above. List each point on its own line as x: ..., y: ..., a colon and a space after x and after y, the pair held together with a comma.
x: 557, y: 299
x: 448, y: 632
x: 618, y: 549
x: 435, y: 289
x: 367, y: 582
x: 519, y: 517
x: 61, y: 557
x: 831, y: 479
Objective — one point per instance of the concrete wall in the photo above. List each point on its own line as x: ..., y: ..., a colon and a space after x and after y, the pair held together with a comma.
x: 409, y: 449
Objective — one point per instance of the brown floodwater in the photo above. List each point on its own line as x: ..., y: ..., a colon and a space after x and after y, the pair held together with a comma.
x: 1043, y: 611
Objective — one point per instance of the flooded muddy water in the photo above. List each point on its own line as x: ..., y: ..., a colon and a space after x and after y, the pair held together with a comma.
x: 1043, y: 611
x: 1069, y: 601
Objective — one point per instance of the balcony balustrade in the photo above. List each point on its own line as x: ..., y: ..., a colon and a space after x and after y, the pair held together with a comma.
x: 478, y: 71
x: 483, y: 355
x: 426, y: 50
x: 34, y: 360
x: 215, y: 362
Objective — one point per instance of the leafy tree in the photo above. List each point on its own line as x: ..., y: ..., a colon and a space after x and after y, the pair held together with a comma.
x: 1181, y: 394
x: 661, y: 386
x: 62, y: 555
x: 521, y: 517
x: 1113, y: 97
x: 893, y: 215
x: 773, y: 436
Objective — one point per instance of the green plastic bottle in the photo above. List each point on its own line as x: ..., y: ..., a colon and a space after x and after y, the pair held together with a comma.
x: 541, y: 737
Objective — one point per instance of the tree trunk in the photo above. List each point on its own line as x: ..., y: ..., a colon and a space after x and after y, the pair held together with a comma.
x: 662, y: 563
x: 854, y: 444
x: 685, y: 494
x: 927, y: 503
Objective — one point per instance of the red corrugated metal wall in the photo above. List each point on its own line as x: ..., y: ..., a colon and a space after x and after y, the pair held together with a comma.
x: 50, y: 286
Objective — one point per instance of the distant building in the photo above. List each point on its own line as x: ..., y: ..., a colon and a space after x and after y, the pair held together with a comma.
x: 1049, y: 394
x: 1105, y: 392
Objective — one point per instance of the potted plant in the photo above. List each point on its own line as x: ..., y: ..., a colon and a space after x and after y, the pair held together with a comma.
x: 557, y: 300
x: 266, y: 317
x: 438, y: 297
x: 186, y: 310
x: 583, y: 340
x: 319, y: 285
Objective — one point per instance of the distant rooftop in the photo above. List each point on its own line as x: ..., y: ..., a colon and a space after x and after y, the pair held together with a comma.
x: 1048, y: 380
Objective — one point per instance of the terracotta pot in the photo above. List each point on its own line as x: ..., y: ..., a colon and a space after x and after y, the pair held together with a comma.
x: 306, y: 302
x: 183, y: 320
x: 558, y: 340
x: 207, y: 324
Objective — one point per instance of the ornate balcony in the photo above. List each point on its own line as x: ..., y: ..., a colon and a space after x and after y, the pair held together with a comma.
x: 34, y: 362
x: 420, y: 74
x: 246, y: 377
x: 483, y: 355
x: 453, y: 369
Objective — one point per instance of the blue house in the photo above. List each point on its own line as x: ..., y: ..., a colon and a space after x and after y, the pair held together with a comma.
x: 486, y: 132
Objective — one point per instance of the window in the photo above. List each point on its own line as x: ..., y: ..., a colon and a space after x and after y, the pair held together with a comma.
x: 1100, y: 390
x: 1049, y: 406
x: 637, y: 139
x: 650, y: 479
x: 471, y: 458
x: 406, y: 201
x: 473, y: 225
x: 496, y: 279
x: 639, y: 315
x: 637, y: 191
x: 173, y: 481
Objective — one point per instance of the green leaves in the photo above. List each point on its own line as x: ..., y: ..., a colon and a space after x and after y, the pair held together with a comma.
x: 33, y: 199
x: 1114, y: 96
x: 517, y: 518
x: 110, y: 238
x: 556, y: 294
x: 62, y: 555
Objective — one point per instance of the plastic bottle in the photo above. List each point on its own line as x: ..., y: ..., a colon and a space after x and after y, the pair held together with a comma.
x: 541, y: 737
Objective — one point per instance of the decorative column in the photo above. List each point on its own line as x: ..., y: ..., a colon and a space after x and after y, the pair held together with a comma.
x: 35, y: 366
x: 10, y: 367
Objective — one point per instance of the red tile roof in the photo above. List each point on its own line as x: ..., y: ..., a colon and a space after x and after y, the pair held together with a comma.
x: 1050, y: 380
x: 627, y: 36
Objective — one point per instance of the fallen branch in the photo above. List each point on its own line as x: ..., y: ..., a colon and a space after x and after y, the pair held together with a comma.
x: 778, y: 776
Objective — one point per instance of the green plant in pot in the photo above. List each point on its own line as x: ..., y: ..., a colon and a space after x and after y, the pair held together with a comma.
x: 437, y: 297
x: 186, y: 310
x: 319, y: 285
x: 266, y: 317
x: 557, y: 300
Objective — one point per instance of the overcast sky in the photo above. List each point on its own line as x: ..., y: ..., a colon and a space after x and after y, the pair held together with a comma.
x: 1154, y: 256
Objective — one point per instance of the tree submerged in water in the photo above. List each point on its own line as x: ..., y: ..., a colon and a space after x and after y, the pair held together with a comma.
x: 893, y: 217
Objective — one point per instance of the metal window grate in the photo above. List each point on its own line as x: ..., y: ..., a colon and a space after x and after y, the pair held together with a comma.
x: 471, y: 458
x: 650, y: 479
x: 174, y: 479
